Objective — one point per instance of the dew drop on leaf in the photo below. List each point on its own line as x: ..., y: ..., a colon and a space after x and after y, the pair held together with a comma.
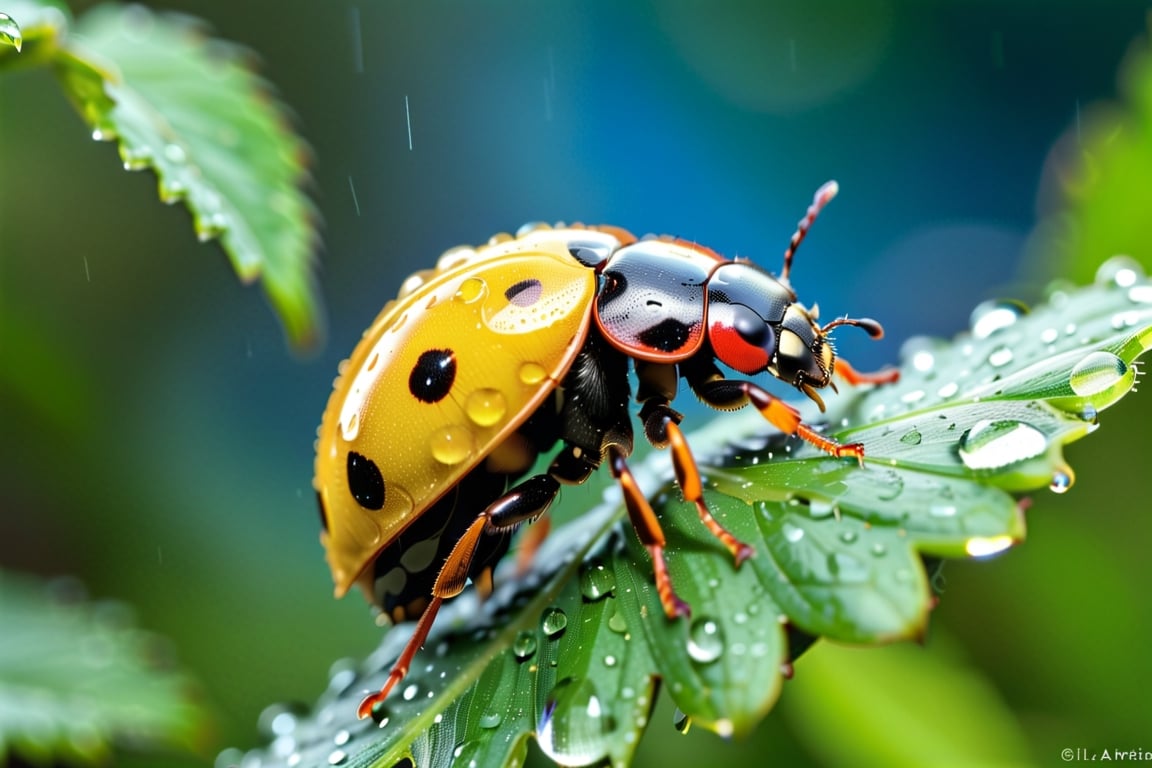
x: 1119, y: 272
x: 911, y: 437
x: 574, y: 727
x: 524, y: 645
x: 490, y: 719
x: 994, y: 444
x: 990, y: 317
x: 596, y: 581
x: 1096, y: 373
x: 705, y: 640
x: 553, y: 622
x: 680, y: 721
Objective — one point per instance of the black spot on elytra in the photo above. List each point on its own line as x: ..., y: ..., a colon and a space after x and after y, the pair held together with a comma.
x: 433, y: 375
x: 668, y: 335
x: 525, y: 293
x: 365, y: 481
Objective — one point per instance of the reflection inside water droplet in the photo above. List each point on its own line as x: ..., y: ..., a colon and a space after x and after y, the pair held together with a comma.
x: 574, y: 728
x: 1096, y: 373
x: 705, y: 640
x: 992, y: 444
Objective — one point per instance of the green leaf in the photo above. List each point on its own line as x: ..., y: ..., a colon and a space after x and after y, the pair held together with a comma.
x: 842, y: 551
x: 77, y: 679
x: 190, y: 108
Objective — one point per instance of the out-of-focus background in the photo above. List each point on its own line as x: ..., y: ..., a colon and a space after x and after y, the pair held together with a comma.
x: 166, y: 457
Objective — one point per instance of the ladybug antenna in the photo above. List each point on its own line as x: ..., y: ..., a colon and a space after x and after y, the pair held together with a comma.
x: 870, y: 326
x: 823, y: 195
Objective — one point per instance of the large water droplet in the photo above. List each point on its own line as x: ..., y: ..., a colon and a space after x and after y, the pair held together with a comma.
x: 596, y: 582
x: 991, y: 316
x: 705, y: 640
x: 10, y: 33
x: 993, y: 444
x: 574, y: 727
x: 681, y: 721
x: 1096, y: 373
x: 553, y: 622
x: 490, y: 719
x: 532, y: 373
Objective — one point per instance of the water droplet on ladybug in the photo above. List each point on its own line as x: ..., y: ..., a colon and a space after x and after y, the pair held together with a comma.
x: 1098, y: 372
x: 553, y: 622
x: 471, y: 290
x: 990, y: 317
x: 452, y: 444
x: 705, y: 640
x: 524, y: 646
x: 993, y: 444
x: 486, y: 407
x: 532, y: 373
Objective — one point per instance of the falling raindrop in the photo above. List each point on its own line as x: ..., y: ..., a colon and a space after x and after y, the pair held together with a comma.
x: 680, y: 721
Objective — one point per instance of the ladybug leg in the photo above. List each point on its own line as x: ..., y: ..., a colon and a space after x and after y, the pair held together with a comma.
x: 730, y: 394
x: 844, y: 370
x: 525, y: 501
x: 688, y: 477
x: 648, y: 529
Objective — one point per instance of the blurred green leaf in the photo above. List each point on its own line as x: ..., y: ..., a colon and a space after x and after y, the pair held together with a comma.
x: 948, y: 714
x: 839, y: 552
x: 190, y: 108
x: 78, y: 680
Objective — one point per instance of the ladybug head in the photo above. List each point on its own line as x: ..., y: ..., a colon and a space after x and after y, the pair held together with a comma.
x: 755, y: 324
x: 805, y: 356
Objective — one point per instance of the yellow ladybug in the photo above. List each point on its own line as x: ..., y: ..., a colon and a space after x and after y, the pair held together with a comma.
x: 499, y: 353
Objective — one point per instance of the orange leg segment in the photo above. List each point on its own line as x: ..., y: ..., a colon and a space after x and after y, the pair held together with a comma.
x: 787, y: 419
x: 400, y: 668
x: 688, y: 476
x: 648, y: 529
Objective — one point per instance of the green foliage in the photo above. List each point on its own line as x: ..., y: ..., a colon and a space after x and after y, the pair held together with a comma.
x: 569, y: 653
x: 190, y: 108
x: 1095, y: 178
x: 77, y: 679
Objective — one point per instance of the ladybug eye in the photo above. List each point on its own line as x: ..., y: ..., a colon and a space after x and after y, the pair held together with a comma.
x: 752, y: 328
x: 365, y: 481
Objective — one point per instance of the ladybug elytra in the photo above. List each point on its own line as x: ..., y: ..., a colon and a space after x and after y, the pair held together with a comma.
x: 501, y: 352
